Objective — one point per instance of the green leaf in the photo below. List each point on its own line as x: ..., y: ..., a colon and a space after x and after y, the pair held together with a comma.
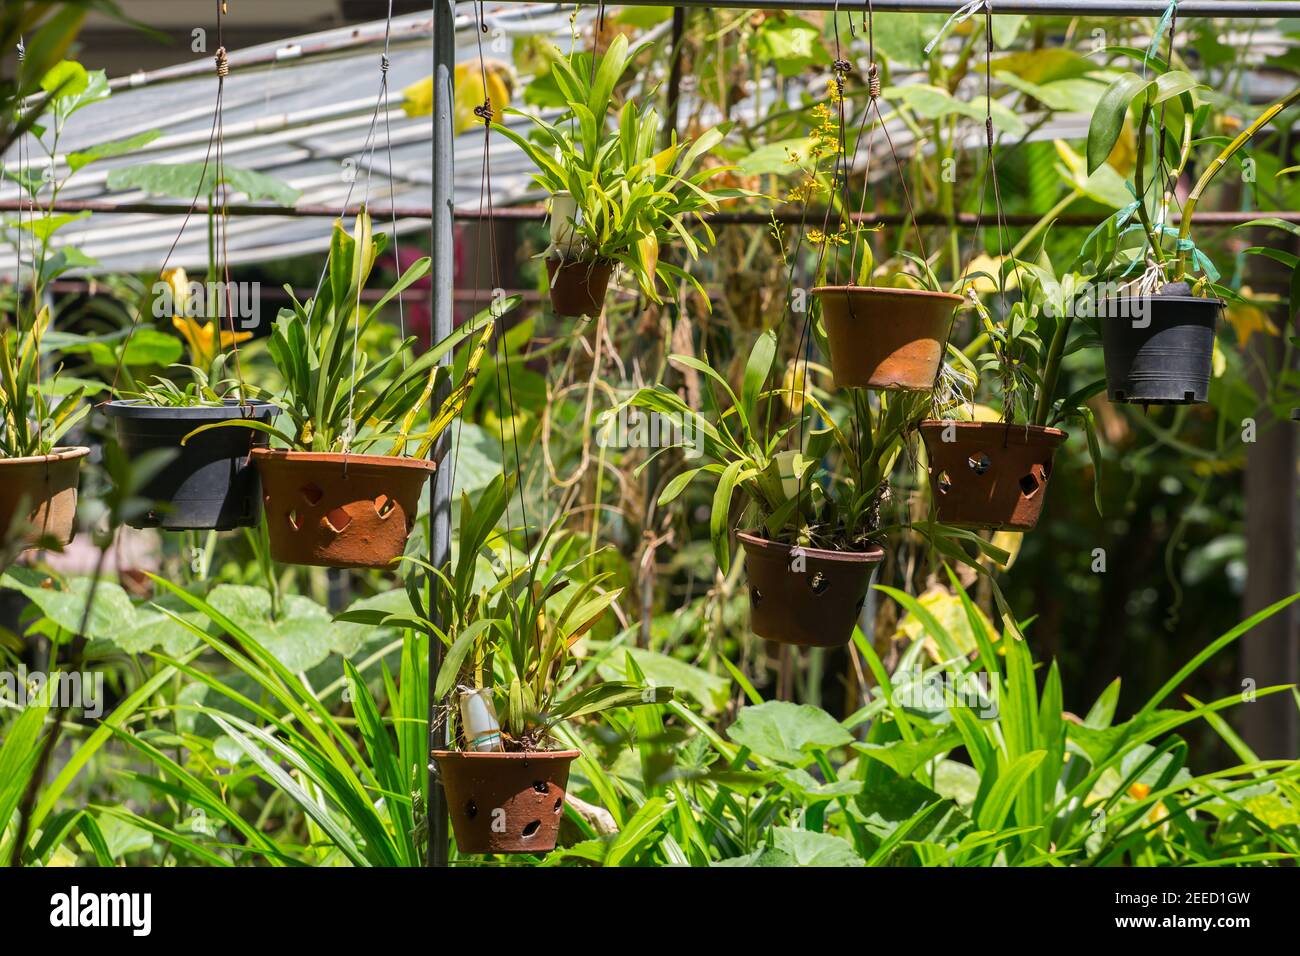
x: 710, y: 691
x: 258, y: 746
x: 639, y: 833
x: 903, y: 756
x: 757, y: 369
x: 786, y: 732
x: 607, y: 696
x: 147, y: 347
x: 720, y: 518
x: 1108, y: 117
x: 775, y: 158
x: 119, y: 147
x: 933, y: 102
x: 678, y: 484
x: 902, y: 37
x: 1102, y: 712
x: 789, y: 43
x: 66, y: 79
x: 455, y: 656
x: 1174, y: 83
x: 187, y: 180
x: 299, y: 638
x: 1273, y: 223
x: 42, y: 227
x: 993, y: 812
x: 806, y: 848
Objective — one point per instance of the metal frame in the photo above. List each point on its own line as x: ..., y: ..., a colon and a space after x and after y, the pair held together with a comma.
x: 1248, y: 9
x: 792, y: 215
x: 444, y: 72
x: 443, y: 213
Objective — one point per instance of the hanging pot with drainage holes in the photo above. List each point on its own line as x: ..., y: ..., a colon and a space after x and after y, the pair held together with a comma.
x: 339, y: 511
x: 210, y: 484
x: 578, y: 286
x: 505, y: 802
x: 885, y: 338
x: 806, y: 596
x: 1159, y: 349
x: 989, y: 474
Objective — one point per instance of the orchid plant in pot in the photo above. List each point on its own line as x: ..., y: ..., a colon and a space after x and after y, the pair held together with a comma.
x: 329, y: 498
x: 209, y: 482
x: 887, y: 327
x: 616, y: 198
x: 810, y: 535
x: 1158, y: 332
x: 509, y: 622
x: 994, y: 474
x: 38, y: 474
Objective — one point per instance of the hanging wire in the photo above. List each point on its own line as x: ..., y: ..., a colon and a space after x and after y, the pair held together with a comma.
x: 873, y: 94
x: 222, y: 221
x: 991, y: 174
x: 189, y: 212
x: 1166, y: 171
x: 392, y: 196
x: 381, y: 101
x: 485, y: 112
x: 839, y: 177
x: 24, y: 179
x: 367, y: 144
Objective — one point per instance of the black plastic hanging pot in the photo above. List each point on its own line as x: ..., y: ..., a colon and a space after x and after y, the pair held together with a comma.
x: 1159, y: 348
x: 209, y: 485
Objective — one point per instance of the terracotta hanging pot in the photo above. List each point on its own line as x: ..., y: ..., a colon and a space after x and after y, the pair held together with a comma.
x: 339, y: 511
x: 38, y: 498
x: 1159, y: 349
x: 505, y: 802
x: 210, y: 484
x: 990, y: 474
x: 806, y: 596
x: 886, y: 338
x: 578, y: 285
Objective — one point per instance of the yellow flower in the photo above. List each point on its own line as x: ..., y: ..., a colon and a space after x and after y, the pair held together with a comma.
x: 471, y: 90
x: 1247, y: 319
x: 793, y: 384
x: 818, y: 238
x: 180, y: 286
x: 805, y: 191
x: 1140, y: 791
x: 202, y: 339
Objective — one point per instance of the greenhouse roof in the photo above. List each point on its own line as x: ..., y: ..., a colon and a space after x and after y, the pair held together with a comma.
x: 300, y: 110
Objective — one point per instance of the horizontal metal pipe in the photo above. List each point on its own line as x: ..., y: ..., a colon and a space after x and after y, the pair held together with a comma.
x: 1249, y: 9
x: 472, y: 296
x: 304, y: 211
x: 793, y: 216
x: 316, y: 44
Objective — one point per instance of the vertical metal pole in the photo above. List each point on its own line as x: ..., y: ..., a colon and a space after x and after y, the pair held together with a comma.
x: 444, y: 65
x: 675, y: 71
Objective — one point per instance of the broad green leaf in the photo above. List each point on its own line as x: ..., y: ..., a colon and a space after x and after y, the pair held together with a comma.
x: 85, y: 157
x: 806, y: 848
x: 1108, y: 117
x: 187, y: 180
x: 786, y: 732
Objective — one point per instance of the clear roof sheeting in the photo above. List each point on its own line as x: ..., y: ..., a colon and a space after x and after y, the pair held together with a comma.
x: 299, y: 109
x: 298, y: 115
